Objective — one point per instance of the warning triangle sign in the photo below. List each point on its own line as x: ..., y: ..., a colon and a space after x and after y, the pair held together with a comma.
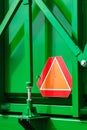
x: 55, y: 78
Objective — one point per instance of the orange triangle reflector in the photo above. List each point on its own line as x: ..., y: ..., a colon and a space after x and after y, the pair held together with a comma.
x: 55, y: 80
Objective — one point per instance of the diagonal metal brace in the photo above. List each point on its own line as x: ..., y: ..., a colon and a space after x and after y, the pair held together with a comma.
x: 55, y: 23
x: 10, y: 14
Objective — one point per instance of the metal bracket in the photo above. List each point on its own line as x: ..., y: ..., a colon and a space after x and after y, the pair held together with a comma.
x: 31, y: 113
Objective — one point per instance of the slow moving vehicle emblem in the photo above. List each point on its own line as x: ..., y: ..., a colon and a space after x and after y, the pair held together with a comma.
x: 55, y: 79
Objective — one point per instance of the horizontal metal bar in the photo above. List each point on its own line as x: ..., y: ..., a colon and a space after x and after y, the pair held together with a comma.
x: 67, y: 124
x: 10, y: 14
x: 70, y: 43
x: 44, y: 109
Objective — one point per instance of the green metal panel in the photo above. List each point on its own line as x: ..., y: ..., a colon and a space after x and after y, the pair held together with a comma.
x: 17, y: 59
x: 57, y: 45
x: 45, y: 25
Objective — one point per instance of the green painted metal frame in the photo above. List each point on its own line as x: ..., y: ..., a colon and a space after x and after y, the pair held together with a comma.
x: 76, y: 51
x: 75, y: 93
x: 72, y: 45
x: 61, y: 110
x: 53, y: 109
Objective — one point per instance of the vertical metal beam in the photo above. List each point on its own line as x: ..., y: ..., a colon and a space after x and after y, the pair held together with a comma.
x: 28, y: 42
x: 31, y: 46
x: 81, y: 45
x: 77, y: 73
x: 1, y: 57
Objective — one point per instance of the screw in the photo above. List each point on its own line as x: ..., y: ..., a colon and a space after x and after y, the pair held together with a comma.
x: 83, y: 63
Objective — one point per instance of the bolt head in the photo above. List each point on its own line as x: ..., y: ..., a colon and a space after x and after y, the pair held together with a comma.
x: 83, y: 63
